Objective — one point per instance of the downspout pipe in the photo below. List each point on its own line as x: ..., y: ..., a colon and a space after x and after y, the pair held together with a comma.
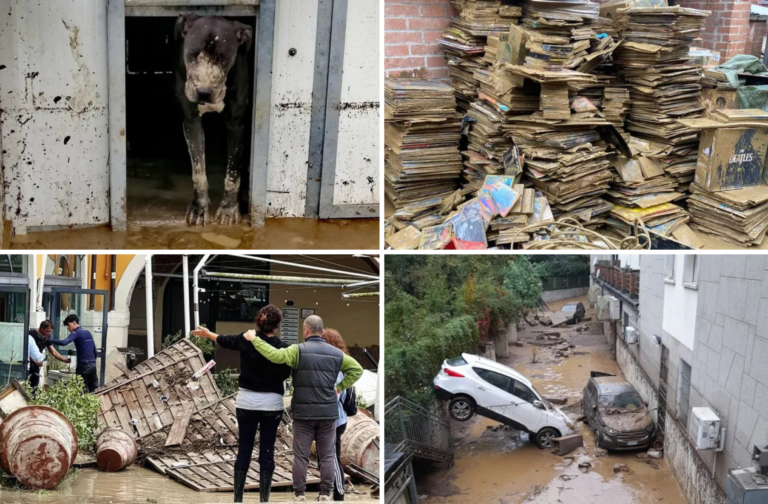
x: 112, y: 283
x: 92, y: 282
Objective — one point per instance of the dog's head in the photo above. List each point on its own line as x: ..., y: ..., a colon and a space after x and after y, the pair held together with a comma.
x: 210, y: 46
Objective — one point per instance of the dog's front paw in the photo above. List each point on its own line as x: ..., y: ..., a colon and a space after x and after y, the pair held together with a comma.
x: 228, y: 213
x: 197, y: 212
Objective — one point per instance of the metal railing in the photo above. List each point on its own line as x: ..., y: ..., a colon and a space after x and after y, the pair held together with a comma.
x: 415, y: 430
x: 564, y: 282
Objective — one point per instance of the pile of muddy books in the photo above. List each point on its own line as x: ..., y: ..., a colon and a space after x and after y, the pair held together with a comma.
x: 422, y: 134
x: 665, y: 85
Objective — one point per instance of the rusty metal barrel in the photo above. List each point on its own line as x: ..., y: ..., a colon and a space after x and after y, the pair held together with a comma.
x: 360, y: 443
x: 115, y: 450
x: 38, y: 445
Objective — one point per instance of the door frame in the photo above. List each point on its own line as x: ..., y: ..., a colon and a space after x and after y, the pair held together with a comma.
x: 54, y: 313
x: 19, y: 283
x: 117, y: 10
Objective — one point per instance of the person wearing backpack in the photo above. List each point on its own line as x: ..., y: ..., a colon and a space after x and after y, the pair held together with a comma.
x: 347, y: 408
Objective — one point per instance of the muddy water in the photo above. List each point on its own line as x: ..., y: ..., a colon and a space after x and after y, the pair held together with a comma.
x: 140, y: 486
x: 499, y: 465
x: 362, y: 234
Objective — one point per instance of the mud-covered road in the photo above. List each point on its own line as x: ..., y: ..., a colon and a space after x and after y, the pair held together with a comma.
x: 497, y: 464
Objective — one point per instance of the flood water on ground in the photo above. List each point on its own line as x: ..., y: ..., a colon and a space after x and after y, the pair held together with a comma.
x: 137, y: 485
x: 498, y: 464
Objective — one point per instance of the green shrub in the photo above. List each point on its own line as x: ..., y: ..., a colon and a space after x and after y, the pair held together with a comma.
x: 226, y: 382
x: 80, y: 408
x: 204, y: 344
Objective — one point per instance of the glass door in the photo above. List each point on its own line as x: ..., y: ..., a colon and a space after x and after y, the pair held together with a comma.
x: 91, y: 307
x: 14, y: 323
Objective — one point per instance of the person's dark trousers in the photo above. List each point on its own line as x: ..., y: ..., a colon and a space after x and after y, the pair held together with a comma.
x: 88, y: 372
x: 248, y: 421
x: 338, y: 482
x: 323, y: 433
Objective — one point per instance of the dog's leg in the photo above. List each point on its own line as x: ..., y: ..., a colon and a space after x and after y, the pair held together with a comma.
x: 197, y: 211
x: 229, y: 210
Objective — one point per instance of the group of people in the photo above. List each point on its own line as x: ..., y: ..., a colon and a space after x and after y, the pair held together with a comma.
x: 322, y: 374
x: 39, y: 343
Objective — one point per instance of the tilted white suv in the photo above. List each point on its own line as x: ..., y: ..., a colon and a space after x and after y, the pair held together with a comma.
x: 474, y: 384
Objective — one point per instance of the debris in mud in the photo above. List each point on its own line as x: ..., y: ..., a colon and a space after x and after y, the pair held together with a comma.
x: 565, y: 477
x: 600, y: 452
x: 618, y: 468
x: 656, y: 454
x: 645, y: 459
x: 560, y: 400
x: 517, y: 343
x: 530, y: 319
x: 535, y: 492
x: 544, y: 320
x: 585, y: 467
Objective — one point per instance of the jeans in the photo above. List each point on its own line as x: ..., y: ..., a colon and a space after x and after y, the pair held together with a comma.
x: 87, y: 371
x: 323, y: 433
x: 247, y: 422
x: 338, y: 483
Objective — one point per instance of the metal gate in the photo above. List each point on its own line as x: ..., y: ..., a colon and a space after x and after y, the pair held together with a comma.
x: 83, y: 303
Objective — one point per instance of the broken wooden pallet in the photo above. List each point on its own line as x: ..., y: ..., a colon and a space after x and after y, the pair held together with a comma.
x: 213, y: 471
x: 153, y: 395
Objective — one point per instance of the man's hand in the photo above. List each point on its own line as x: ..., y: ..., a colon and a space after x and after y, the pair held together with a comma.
x: 69, y: 360
x: 202, y: 332
x: 250, y: 335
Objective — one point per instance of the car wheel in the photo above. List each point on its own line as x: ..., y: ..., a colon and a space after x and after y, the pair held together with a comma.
x: 461, y: 408
x: 544, y: 437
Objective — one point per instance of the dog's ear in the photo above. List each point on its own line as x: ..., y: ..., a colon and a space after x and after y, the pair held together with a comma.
x: 244, y: 35
x: 184, y: 24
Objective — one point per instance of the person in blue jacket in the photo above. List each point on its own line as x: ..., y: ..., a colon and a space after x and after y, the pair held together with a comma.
x: 86, y: 351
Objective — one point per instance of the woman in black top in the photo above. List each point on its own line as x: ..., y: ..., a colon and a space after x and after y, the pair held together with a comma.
x: 260, y: 400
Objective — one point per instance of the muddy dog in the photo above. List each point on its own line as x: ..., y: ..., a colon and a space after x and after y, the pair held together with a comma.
x: 212, y: 76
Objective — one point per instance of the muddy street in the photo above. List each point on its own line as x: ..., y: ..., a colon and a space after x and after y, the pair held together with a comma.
x: 137, y: 485
x: 496, y: 463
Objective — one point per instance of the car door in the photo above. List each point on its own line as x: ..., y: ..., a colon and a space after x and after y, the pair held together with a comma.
x: 491, y: 393
x: 522, y: 408
x: 590, y: 400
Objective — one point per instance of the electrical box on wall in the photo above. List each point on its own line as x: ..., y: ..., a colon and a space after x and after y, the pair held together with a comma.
x: 707, y: 428
x: 630, y: 335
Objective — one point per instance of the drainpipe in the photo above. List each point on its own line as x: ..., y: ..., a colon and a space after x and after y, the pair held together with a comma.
x: 150, y: 318
x: 112, y: 282
x: 92, y: 284
x: 196, y: 289
x: 186, y: 295
x: 41, y: 286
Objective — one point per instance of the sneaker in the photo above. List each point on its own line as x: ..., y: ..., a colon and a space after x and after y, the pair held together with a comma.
x: 325, y: 498
x: 300, y: 498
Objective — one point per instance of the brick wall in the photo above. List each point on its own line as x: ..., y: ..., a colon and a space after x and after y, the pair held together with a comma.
x: 412, y: 28
x: 727, y: 29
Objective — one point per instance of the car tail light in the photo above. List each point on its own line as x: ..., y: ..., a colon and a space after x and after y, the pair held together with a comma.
x: 451, y: 372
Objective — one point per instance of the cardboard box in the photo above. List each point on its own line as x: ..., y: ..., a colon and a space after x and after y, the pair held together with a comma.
x: 731, y: 158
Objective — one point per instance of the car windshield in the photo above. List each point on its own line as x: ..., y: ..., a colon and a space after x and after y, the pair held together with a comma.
x: 570, y: 307
x: 629, y: 401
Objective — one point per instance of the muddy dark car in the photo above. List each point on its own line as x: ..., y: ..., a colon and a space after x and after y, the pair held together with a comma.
x: 616, y: 413
x: 574, y: 312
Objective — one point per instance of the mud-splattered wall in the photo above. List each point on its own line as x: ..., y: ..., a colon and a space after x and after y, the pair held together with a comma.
x: 53, y: 112
x: 292, y: 81
x: 690, y: 470
x: 357, y: 154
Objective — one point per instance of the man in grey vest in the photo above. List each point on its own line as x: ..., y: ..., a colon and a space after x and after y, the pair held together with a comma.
x: 316, y: 366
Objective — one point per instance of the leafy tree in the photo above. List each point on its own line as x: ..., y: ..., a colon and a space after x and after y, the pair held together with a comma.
x: 562, y: 265
x: 438, y: 307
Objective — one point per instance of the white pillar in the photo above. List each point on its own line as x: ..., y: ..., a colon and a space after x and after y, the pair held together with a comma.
x: 186, y: 296
x: 150, y: 307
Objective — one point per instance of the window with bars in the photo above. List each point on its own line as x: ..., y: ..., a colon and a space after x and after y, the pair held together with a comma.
x: 683, y: 392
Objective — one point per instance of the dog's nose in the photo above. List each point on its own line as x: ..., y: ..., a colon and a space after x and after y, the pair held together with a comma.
x: 204, y: 94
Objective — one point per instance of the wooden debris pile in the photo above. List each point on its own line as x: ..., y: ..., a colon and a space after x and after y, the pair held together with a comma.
x: 182, y: 425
